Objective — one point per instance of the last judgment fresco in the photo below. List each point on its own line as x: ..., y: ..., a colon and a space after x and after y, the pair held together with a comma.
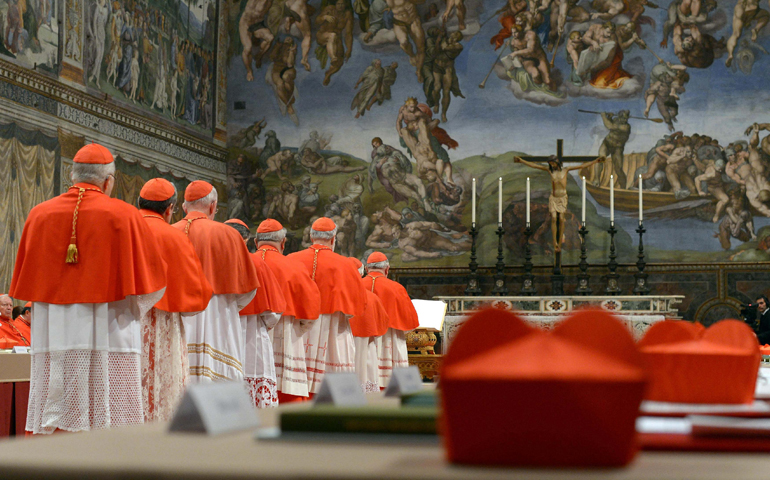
x: 379, y: 113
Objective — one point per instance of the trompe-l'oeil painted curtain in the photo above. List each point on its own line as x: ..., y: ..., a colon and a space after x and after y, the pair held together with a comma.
x: 28, y: 161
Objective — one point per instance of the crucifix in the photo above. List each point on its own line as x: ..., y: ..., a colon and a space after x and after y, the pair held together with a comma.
x: 557, y: 202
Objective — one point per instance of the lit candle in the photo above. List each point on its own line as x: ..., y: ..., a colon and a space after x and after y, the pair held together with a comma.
x: 500, y: 201
x: 527, y: 200
x: 640, y: 199
x: 612, y: 200
x: 583, y: 213
x: 473, y: 204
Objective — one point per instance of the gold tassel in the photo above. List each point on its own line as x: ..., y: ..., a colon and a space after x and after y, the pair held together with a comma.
x: 72, y: 252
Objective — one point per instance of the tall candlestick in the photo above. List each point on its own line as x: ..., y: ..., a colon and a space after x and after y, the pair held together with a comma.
x: 473, y: 203
x: 640, y: 199
x: 583, y: 213
x: 612, y: 199
x: 500, y: 201
x: 527, y: 200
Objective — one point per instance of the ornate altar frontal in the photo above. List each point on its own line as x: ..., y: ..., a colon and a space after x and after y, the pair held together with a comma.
x: 637, y: 312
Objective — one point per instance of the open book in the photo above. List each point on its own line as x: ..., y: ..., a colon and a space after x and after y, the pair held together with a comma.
x: 430, y: 313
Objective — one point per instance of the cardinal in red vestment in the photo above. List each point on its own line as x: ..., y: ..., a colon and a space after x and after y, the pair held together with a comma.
x: 258, y: 318
x: 329, y: 344
x: 215, y: 343
x: 303, y: 307
x: 91, y: 268
x: 165, y: 368
x: 367, y: 328
x: 391, y: 347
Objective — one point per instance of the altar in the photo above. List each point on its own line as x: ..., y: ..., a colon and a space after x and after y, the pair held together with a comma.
x: 637, y: 312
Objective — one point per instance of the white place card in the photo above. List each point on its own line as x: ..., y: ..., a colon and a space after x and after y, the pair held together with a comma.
x: 404, y: 381
x: 341, y: 390
x: 215, y: 408
x: 19, y: 349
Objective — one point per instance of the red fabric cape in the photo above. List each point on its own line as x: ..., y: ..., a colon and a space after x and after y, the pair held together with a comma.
x: 374, y: 321
x: 394, y: 298
x: 269, y: 297
x: 223, y: 255
x: 9, y: 337
x: 187, y: 290
x: 117, y: 256
x: 337, y: 280
x: 303, y: 300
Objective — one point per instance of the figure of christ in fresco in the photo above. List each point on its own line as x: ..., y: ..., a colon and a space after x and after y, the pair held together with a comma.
x: 457, y: 7
x: 422, y: 136
x: 283, y: 74
x: 335, y: 22
x: 440, y: 78
x: 387, y: 228
x: 318, y: 165
x: 98, y: 30
x: 394, y: 171
x: 255, y: 37
x: 429, y: 240
x: 297, y: 14
x: 613, y: 146
x: 408, y: 28
x: 371, y: 83
x: 695, y: 49
x: 745, y: 13
x: 557, y: 202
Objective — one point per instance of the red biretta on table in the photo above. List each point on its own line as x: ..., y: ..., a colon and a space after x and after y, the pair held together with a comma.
x: 515, y: 395
x: 690, y: 364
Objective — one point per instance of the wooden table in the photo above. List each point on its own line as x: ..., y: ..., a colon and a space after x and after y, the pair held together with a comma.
x: 14, y: 392
x: 148, y: 451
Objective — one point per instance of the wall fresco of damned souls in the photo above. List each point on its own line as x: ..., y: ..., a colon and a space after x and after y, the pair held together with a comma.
x: 372, y: 115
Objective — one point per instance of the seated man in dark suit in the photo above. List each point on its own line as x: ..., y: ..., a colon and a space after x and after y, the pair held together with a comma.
x: 763, y: 318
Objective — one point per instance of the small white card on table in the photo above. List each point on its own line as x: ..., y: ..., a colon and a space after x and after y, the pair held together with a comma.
x: 341, y: 390
x: 215, y: 408
x: 18, y: 349
x: 404, y: 381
